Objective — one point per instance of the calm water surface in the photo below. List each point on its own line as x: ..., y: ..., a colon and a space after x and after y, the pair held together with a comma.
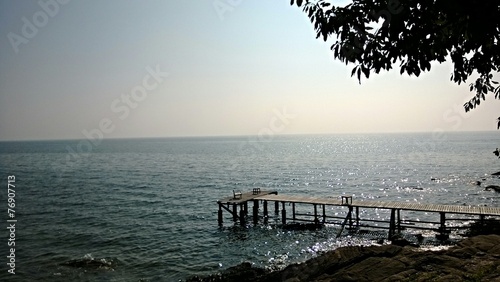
x: 147, y: 207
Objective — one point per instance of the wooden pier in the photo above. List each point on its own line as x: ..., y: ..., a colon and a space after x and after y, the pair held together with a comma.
x: 241, y: 200
x: 352, y: 219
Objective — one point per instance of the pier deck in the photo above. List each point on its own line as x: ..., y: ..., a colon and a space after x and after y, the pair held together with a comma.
x: 352, y: 219
x: 245, y: 197
x: 473, y: 210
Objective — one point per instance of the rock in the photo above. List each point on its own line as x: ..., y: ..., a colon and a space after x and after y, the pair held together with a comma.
x: 473, y: 259
x: 420, y: 238
x: 242, y: 272
x: 90, y: 263
x: 400, y: 241
x: 488, y: 226
x: 496, y: 188
x: 371, y: 269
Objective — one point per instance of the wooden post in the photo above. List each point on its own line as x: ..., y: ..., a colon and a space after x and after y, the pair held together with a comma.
x: 245, y: 206
x: 220, y: 215
x: 350, y: 218
x: 283, y: 213
x: 293, y: 211
x: 324, y: 214
x: 316, y: 220
x: 255, y: 212
x: 242, y: 217
x: 276, y: 207
x: 265, y: 209
x: 443, y: 223
x: 344, y: 223
x: 357, y: 217
x: 392, y: 224
x: 235, y: 213
x: 398, y: 224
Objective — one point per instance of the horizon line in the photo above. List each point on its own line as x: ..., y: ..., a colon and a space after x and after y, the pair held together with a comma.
x: 241, y: 136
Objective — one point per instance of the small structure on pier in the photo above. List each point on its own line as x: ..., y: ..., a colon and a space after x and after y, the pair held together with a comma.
x: 352, y: 219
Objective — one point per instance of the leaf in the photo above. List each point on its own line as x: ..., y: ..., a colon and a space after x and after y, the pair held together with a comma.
x: 299, y: 3
x: 417, y: 71
x: 428, y: 65
x: 353, y: 71
x: 366, y: 71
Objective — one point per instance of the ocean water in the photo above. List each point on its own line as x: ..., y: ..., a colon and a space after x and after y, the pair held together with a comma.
x: 145, y: 209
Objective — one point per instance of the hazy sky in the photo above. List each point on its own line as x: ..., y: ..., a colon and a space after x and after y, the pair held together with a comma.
x: 122, y: 68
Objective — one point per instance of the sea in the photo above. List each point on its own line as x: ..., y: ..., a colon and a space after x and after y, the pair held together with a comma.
x: 146, y: 209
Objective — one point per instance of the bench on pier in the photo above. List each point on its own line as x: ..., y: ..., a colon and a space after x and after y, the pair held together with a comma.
x: 255, y: 191
x: 346, y: 200
x: 237, y: 195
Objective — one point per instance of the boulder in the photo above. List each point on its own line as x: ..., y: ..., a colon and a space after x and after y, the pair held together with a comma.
x: 495, y: 188
x: 473, y: 259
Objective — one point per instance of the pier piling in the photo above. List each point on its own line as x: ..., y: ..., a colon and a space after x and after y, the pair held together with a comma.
x: 392, y: 224
x: 220, y: 217
x: 324, y: 214
x: 235, y: 213
x: 242, y: 217
x: 283, y: 213
x: 265, y: 209
x: 255, y: 212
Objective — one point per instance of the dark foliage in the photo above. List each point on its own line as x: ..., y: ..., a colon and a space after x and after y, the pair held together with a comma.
x: 374, y: 35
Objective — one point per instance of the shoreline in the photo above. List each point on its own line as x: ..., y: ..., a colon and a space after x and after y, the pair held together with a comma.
x: 476, y: 258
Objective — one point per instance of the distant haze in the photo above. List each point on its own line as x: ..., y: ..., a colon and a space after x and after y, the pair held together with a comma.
x: 121, y: 68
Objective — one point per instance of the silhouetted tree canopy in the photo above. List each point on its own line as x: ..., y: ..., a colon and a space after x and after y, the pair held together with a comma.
x: 376, y: 34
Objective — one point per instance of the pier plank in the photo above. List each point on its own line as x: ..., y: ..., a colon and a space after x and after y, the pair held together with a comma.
x: 494, y: 211
x: 245, y: 197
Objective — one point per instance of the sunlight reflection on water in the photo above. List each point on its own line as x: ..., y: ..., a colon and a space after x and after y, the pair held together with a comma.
x: 150, y: 204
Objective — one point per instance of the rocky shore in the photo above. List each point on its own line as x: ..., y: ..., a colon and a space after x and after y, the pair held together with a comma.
x: 473, y: 259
